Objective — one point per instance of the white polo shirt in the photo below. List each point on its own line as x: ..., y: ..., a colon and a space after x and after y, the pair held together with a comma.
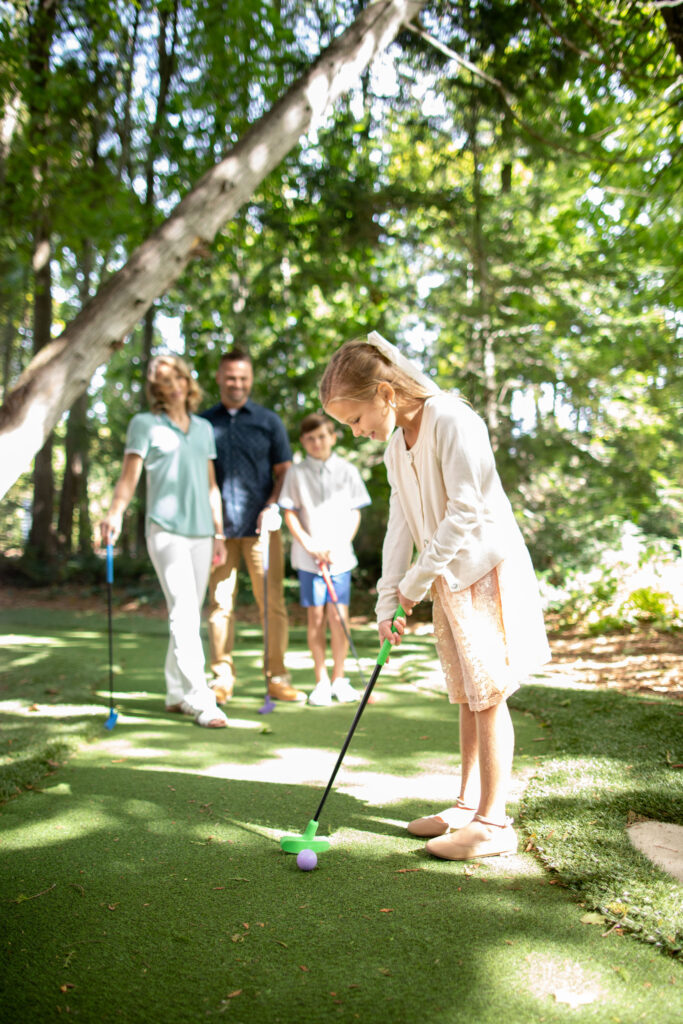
x: 325, y: 495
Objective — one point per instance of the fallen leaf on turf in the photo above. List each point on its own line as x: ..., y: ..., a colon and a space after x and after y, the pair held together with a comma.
x: 386, y: 910
x: 281, y: 943
x: 231, y: 995
x: 302, y: 967
x: 66, y: 986
x: 593, y: 918
x: 404, y: 871
x: 112, y: 906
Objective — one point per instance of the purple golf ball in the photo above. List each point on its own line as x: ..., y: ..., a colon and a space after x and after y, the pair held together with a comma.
x: 306, y: 860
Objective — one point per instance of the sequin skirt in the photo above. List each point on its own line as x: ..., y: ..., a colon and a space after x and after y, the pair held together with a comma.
x: 490, y: 636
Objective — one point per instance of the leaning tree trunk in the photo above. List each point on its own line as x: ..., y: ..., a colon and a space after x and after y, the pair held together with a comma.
x: 60, y: 373
x: 73, y: 502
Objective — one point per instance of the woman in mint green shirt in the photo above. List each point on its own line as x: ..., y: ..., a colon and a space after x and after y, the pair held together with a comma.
x: 183, y: 523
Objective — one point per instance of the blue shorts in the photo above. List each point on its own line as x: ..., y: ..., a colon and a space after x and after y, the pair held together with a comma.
x: 313, y: 590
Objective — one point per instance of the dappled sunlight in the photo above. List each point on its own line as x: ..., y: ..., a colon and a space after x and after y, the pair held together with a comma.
x: 121, y: 746
x: 284, y: 767
x: 20, y: 707
x: 72, y: 823
x: 436, y: 787
x: 17, y: 640
x: 30, y: 660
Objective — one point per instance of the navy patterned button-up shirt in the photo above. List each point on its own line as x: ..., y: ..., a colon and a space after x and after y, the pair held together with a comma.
x: 248, y: 444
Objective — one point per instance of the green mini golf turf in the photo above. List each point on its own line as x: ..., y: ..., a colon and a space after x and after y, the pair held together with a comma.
x: 143, y: 880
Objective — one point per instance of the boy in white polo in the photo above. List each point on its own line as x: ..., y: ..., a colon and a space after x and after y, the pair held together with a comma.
x: 322, y: 497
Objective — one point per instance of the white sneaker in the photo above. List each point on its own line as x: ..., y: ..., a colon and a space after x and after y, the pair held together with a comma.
x: 321, y: 695
x: 344, y: 692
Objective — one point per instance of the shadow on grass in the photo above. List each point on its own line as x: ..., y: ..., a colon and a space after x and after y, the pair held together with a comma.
x: 131, y: 894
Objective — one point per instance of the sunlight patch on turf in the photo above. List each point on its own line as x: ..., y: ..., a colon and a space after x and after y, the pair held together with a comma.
x: 18, y: 640
x: 566, y: 981
x: 20, y: 707
x: 289, y: 767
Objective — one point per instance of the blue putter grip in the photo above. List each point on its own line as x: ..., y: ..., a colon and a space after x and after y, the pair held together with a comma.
x: 386, y: 646
x: 110, y: 564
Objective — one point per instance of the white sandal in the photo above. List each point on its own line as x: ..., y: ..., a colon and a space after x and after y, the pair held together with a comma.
x: 212, y: 719
x: 481, y: 838
x: 445, y: 821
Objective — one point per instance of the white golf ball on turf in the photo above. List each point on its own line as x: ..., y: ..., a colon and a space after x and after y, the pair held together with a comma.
x: 306, y: 860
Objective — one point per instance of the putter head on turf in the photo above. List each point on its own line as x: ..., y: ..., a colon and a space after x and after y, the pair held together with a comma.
x: 111, y: 720
x: 268, y: 706
x: 307, y: 841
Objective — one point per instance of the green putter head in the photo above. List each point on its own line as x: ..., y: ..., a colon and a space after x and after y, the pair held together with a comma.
x: 307, y: 841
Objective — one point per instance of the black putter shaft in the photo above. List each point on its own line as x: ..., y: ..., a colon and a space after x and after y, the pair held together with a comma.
x: 381, y: 658
x: 335, y: 601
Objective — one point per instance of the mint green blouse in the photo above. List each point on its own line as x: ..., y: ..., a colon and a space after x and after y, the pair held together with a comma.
x: 177, y: 471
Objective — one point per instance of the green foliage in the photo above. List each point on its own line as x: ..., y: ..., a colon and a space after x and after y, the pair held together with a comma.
x: 633, y: 583
x: 517, y: 228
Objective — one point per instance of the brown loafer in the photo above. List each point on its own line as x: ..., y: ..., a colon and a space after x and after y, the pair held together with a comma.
x: 481, y: 838
x: 223, y: 689
x: 440, y: 824
x: 280, y: 689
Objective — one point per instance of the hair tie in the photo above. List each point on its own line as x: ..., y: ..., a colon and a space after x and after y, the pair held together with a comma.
x: 399, y: 360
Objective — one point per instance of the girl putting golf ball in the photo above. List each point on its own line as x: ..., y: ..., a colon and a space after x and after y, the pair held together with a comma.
x: 448, y: 503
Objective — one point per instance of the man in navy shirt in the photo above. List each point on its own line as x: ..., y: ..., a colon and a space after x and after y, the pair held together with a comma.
x: 252, y: 457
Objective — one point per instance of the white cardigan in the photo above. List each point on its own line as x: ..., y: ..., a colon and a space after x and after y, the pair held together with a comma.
x: 447, y: 501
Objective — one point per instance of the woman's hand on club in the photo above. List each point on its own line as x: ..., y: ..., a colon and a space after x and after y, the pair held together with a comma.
x: 110, y: 528
x: 220, y: 553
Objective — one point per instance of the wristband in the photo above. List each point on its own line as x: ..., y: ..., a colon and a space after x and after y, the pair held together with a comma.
x: 219, y: 536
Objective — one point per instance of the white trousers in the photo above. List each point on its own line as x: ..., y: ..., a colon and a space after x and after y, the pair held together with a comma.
x: 183, y: 565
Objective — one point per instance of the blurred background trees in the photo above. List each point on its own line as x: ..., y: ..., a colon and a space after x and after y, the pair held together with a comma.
x: 500, y: 194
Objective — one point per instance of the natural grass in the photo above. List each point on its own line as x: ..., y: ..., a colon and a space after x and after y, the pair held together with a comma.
x: 615, y: 759
x: 142, y: 879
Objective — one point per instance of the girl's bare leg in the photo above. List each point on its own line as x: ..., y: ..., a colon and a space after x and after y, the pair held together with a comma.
x: 495, y: 746
x: 470, y: 789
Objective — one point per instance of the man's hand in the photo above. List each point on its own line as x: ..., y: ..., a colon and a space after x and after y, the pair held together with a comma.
x: 269, y: 520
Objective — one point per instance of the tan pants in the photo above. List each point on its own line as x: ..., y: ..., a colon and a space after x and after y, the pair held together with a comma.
x: 223, y: 593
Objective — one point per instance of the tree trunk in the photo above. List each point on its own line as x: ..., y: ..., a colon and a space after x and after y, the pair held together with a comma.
x: 41, y: 540
x: 74, y: 497
x: 673, y: 19
x: 60, y: 373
